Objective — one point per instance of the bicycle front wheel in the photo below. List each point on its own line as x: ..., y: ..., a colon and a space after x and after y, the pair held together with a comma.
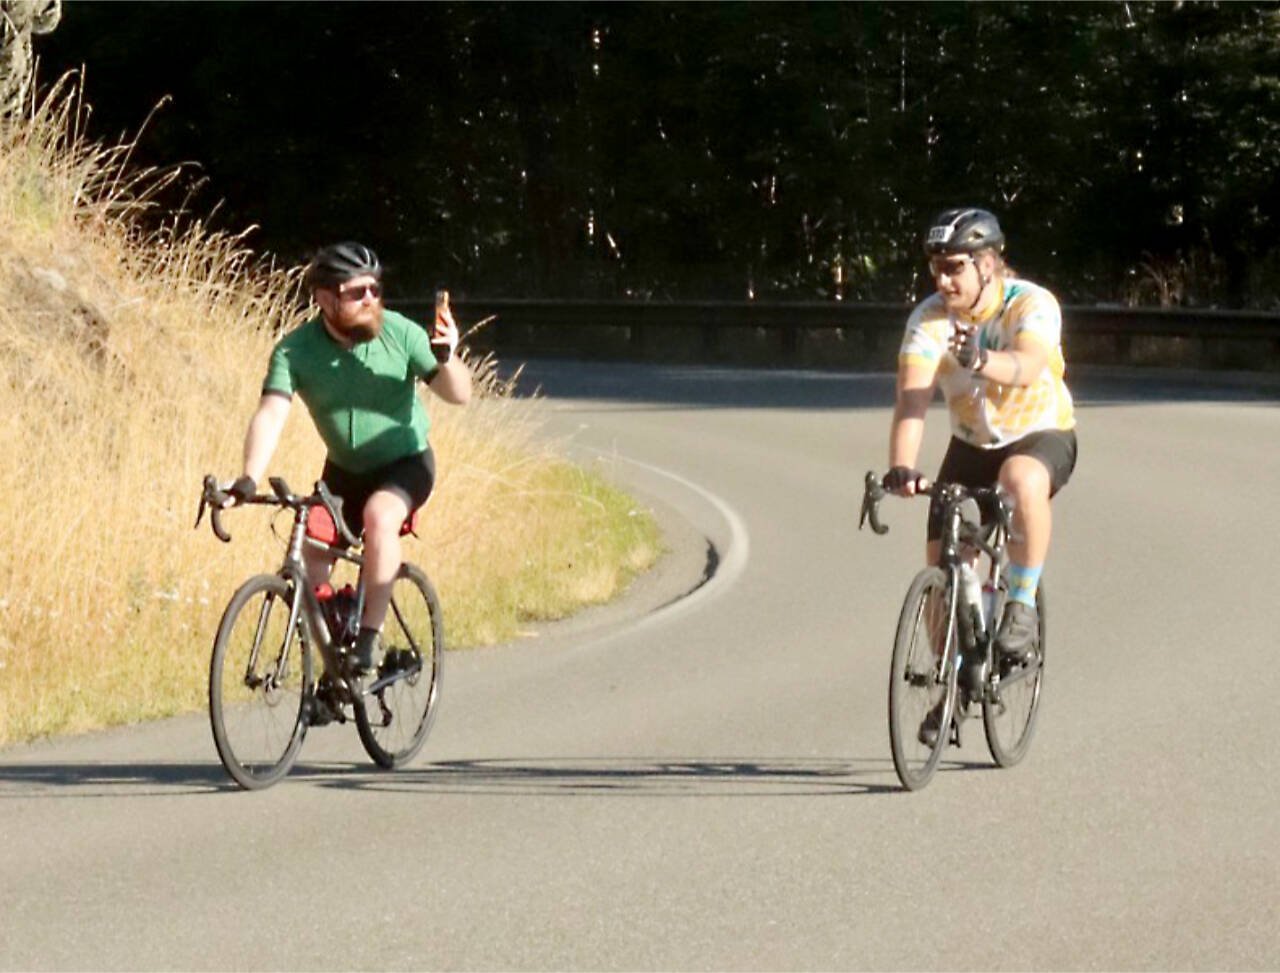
x: 259, y: 678
x: 922, y: 680
x: 1009, y: 711
x: 395, y: 715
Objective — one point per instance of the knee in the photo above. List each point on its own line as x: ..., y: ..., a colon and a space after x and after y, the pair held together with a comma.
x: 381, y: 521
x: 1027, y: 482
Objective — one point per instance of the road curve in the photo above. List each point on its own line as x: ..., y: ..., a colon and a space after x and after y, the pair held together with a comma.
x: 709, y: 786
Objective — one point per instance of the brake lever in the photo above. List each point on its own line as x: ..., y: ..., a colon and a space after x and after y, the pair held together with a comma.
x: 212, y: 498
x: 873, y: 492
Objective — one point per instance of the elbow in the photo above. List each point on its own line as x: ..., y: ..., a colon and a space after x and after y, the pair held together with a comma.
x: 457, y: 391
x: 1028, y: 368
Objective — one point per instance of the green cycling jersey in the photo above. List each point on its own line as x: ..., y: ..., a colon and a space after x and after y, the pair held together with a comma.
x: 363, y: 400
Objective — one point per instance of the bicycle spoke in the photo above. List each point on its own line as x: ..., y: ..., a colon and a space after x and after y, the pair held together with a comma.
x: 396, y: 713
x: 258, y: 680
x: 1009, y: 712
x: 922, y: 680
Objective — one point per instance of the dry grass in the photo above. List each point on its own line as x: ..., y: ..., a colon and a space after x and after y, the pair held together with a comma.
x: 130, y: 361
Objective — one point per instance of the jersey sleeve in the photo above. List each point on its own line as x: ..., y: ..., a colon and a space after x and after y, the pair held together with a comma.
x: 925, y: 340
x: 422, y: 359
x: 280, y: 378
x: 1035, y: 312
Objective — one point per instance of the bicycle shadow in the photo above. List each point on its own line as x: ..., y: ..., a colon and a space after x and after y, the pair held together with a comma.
x: 640, y: 777
x: 542, y: 777
x: 104, y: 779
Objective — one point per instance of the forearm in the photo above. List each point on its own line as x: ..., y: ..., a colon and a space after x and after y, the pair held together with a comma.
x: 264, y: 435
x: 910, y: 406
x: 453, y: 381
x: 1012, y: 367
x: 905, y: 437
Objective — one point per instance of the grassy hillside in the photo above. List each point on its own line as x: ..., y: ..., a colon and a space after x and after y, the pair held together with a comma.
x: 130, y: 361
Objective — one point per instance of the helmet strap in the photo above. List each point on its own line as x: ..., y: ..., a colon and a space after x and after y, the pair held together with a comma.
x: 985, y: 280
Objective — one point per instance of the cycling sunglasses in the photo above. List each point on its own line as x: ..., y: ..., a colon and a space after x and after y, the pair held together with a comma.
x: 358, y: 293
x: 948, y: 265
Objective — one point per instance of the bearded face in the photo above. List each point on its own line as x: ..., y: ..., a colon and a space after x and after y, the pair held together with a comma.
x: 354, y: 310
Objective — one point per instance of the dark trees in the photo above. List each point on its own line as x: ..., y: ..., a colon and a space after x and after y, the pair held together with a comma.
x: 718, y: 150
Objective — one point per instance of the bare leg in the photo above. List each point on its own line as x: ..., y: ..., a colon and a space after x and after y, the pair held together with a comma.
x: 1026, y: 479
x: 384, y: 514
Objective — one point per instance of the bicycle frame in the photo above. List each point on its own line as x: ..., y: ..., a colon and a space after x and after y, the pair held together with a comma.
x: 306, y: 605
x: 962, y: 541
x: 392, y: 712
x: 294, y: 571
x: 968, y: 648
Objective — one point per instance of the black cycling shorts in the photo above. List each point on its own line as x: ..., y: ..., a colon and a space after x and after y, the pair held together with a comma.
x: 412, y: 477
x: 976, y: 467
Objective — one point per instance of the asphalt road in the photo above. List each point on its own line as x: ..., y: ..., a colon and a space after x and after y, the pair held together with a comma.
x: 705, y: 782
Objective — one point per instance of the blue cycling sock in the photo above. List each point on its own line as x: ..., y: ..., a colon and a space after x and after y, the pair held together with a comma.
x: 1023, y: 582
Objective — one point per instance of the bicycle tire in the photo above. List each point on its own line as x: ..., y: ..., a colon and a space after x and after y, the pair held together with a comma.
x: 1009, y: 710
x: 259, y: 682
x: 393, y: 722
x: 920, y: 679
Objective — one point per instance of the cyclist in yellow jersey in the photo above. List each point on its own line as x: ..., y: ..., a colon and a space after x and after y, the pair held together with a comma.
x: 992, y: 343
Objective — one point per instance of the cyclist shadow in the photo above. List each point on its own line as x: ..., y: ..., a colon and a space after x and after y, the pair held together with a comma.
x: 628, y: 777
x: 566, y: 777
x: 103, y: 779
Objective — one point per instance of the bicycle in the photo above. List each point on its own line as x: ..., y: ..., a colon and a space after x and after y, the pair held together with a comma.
x: 944, y: 655
x: 263, y: 694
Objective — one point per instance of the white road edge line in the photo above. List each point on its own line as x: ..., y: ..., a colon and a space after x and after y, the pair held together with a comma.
x: 732, y: 554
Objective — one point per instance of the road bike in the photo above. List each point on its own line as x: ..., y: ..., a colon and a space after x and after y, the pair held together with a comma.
x: 945, y: 662
x: 264, y: 693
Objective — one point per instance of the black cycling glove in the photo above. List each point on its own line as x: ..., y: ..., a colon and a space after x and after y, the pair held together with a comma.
x: 898, y: 477
x: 967, y: 348
x: 243, y: 489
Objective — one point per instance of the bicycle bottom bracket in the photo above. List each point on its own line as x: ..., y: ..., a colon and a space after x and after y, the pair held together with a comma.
x: 323, y: 705
x: 973, y: 675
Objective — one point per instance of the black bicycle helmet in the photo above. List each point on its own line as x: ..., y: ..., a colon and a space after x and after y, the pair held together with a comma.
x: 336, y: 264
x: 964, y: 230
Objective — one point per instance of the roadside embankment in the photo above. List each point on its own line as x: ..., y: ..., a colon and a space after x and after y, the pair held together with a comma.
x: 132, y: 350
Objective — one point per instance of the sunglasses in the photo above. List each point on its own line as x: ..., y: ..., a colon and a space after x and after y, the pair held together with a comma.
x: 949, y: 266
x: 358, y: 293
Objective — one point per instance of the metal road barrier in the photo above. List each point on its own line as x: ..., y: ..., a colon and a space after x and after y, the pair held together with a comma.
x: 838, y: 335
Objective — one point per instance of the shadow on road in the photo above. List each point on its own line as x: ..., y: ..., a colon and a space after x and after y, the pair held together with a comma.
x: 110, y: 780
x: 631, y: 777
x: 562, y: 777
x: 643, y: 777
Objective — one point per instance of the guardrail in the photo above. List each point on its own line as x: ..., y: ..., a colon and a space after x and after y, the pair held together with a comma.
x: 839, y: 335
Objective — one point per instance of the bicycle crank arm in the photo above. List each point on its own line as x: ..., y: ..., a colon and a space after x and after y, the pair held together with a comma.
x: 388, y: 679
x: 1018, y: 675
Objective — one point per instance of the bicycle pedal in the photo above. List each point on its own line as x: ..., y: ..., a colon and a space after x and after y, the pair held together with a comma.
x: 318, y: 712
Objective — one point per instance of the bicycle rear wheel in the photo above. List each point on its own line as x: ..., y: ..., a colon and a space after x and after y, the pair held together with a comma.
x: 395, y: 716
x: 1009, y: 713
x: 259, y: 677
x: 922, y: 680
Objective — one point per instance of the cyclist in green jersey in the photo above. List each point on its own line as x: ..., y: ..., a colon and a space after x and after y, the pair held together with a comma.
x: 357, y: 366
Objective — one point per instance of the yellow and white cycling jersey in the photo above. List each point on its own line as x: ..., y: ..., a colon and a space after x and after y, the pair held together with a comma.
x: 984, y: 413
